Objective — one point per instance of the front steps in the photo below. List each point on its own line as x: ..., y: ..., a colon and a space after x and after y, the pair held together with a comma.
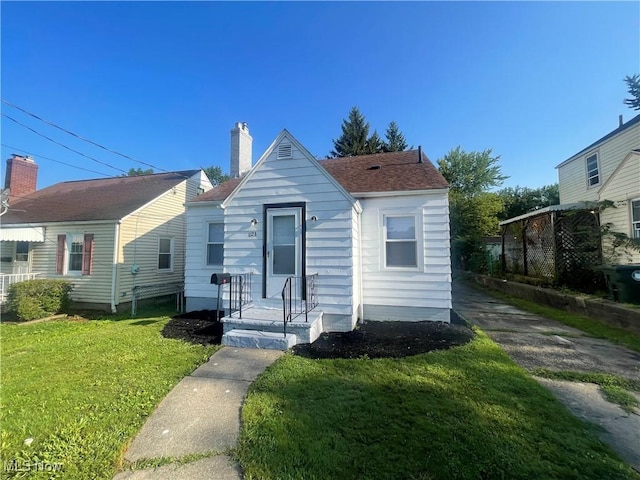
x: 261, y: 326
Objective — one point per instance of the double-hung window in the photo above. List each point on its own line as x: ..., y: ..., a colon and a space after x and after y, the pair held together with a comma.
x: 215, y: 244
x: 593, y: 170
x: 400, y: 241
x: 165, y: 254
x: 74, y: 254
x: 635, y: 218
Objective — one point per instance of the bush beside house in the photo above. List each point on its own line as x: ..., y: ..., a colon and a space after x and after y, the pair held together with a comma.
x: 38, y: 298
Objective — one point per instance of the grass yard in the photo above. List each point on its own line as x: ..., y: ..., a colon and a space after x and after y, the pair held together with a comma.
x: 74, y: 392
x: 464, y: 413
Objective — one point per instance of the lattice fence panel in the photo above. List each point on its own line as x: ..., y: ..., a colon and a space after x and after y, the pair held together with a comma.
x: 540, y: 247
x: 513, y: 253
x: 578, y: 250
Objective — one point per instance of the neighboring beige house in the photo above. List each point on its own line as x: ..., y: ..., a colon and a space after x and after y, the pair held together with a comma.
x: 608, y: 169
x: 105, y: 235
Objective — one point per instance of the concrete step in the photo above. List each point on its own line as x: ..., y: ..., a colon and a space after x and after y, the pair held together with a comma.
x: 258, y: 339
x: 270, y: 320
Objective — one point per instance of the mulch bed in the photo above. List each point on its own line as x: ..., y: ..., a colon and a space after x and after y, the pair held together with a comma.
x: 370, y: 339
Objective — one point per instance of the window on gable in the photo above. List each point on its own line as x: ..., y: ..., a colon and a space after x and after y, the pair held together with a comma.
x: 635, y: 218
x: 401, y: 244
x: 165, y: 254
x: 74, y: 254
x: 593, y: 172
x: 215, y: 244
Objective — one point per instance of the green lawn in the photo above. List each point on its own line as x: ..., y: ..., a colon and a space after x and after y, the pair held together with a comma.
x: 82, y: 390
x: 464, y: 413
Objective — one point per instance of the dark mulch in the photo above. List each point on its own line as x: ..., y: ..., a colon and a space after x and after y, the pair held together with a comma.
x: 387, y: 339
x: 195, y: 327
x: 370, y: 339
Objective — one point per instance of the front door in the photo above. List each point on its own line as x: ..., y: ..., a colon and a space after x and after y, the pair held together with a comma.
x: 21, y: 258
x: 283, y: 248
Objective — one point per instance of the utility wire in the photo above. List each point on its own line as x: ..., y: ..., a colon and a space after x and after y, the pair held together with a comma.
x: 61, y: 144
x: 33, y: 154
x: 81, y: 137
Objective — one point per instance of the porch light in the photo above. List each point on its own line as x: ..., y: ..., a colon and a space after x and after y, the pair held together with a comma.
x: 314, y: 219
x: 254, y: 222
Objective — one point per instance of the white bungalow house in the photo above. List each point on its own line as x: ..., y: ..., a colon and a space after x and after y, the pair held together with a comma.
x: 372, y: 231
x: 109, y: 237
x: 608, y: 169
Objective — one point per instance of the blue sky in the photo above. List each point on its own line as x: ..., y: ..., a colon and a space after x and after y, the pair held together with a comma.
x: 164, y: 82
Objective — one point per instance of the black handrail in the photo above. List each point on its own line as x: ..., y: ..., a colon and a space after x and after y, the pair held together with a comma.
x: 299, y: 295
x: 239, y: 292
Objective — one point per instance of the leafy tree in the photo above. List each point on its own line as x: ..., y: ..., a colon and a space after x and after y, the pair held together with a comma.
x: 520, y: 200
x: 633, y: 87
x: 471, y: 173
x: 215, y: 174
x: 395, y: 139
x: 473, y: 211
x: 135, y: 172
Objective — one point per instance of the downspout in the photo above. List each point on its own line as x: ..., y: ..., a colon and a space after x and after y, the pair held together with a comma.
x: 114, y: 271
x: 361, y: 306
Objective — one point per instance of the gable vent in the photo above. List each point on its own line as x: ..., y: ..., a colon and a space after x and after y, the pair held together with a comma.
x: 285, y: 150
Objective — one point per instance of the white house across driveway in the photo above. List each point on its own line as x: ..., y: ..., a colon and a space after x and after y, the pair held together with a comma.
x: 372, y: 230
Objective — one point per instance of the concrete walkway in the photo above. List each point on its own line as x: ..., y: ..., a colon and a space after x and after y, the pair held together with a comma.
x: 201, y: 415
x: 533, y: 341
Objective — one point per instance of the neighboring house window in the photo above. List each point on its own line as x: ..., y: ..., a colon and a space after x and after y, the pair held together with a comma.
x: 401, y: 245
x: 635, y: 218
x: 22, y: 252
x: 199, y: 191
x: 593, y: 172
x: 165, y: 254
x: 74, y: 254
x: 215, y: 244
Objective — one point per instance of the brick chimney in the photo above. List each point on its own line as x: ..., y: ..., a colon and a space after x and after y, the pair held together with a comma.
x: 21, y: 175
x: 241, y: 143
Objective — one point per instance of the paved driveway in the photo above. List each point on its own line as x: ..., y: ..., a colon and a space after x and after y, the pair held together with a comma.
x: 533, y: 342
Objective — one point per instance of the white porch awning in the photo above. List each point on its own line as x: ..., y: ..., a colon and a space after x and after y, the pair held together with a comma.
x: 22, y: 234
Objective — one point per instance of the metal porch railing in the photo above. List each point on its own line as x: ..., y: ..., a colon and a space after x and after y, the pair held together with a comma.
x: 7, y: 279
x: 239, y: 292
x: 299, y: 296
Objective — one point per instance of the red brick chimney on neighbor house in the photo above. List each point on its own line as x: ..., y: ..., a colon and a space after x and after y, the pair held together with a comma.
x: 21, y: 175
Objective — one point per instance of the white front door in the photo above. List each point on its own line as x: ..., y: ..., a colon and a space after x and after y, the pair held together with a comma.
x: 283, y: 248
x: 21, y: 258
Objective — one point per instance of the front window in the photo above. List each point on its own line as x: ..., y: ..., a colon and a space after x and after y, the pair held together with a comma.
x: 400, y: 241
x: 165, y: 254
x: 593, y: 172
x: 74, y: 247
x: 635, y: 218
x: 215, y: 244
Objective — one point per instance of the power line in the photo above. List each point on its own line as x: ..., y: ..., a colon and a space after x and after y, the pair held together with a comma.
x: 61, y: 144
x: 81, y: 137
x: 54, y: 160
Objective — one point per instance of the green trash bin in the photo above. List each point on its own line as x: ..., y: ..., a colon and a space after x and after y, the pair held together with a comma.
x: 623, y: 282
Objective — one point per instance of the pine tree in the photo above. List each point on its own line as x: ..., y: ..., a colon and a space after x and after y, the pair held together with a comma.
x: 375, y: 143
x: 395, y: 139
x: 354, y: 138
x: 633, y: 85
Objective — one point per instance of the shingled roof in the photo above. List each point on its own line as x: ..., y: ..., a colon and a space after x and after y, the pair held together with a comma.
x: 92, y: 200
x: 380, y: 172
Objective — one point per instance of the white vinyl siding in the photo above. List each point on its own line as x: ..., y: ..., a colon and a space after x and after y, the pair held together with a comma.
x: 623, y: 189
x: 424, y: 289
x: 329, y: 239
x: 572, y: 174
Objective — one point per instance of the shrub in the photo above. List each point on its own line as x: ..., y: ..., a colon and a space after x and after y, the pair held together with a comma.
x: 38, y: 298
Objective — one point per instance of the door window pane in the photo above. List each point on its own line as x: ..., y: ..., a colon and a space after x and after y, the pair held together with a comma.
x: 284, y: 245
x: 284, y: 259
x: 284, y: 230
